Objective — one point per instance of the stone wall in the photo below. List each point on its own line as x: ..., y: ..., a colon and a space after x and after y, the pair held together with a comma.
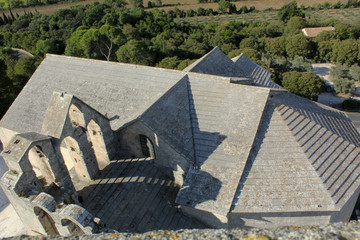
x: 166, y: 158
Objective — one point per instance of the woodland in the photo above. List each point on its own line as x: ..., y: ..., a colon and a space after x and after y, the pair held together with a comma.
x: 112, y: 32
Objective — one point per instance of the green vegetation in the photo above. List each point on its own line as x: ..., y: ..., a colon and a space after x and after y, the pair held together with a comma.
x: 344, y: 77
x: 305, y: 84
x: 108, y: 31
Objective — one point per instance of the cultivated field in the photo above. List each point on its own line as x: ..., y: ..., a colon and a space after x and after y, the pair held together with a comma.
x: 350, y: 15
x: 181, y: 4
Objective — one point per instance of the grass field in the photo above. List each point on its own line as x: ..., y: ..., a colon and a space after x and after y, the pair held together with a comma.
x: 350, y: 15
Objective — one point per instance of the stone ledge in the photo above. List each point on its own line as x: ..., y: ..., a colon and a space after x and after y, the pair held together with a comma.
x: 350, y: 230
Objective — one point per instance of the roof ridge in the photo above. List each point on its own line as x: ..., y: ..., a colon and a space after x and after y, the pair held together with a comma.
x: 194, y: 64
x: 49, y: 55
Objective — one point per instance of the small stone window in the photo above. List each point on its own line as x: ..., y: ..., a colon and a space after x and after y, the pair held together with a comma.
x: 147, y: 147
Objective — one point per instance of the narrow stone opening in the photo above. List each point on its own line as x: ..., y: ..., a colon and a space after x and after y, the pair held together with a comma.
x: 147, y: 147
x: 46, y: 221
x: 41, y: 166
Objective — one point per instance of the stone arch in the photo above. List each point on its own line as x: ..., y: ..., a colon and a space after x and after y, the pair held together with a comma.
x: 46, y: 221
x: 41, y: 166
x: 98, y: 144
x: 76, y: 116
x: 72, y: 227
x: 147, y: 147
x: 74, y: 161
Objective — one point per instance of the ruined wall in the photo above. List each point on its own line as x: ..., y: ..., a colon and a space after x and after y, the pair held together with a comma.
x: 82, y: 136
x: 167, y: 159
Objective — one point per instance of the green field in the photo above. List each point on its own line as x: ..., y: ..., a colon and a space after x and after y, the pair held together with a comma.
x: 349, y: 15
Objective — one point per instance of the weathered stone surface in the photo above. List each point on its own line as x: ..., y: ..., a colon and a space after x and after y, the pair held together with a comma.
x: 333, y: 231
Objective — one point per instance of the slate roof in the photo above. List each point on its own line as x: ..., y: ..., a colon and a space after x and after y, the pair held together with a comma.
x: 301, y: 159
x: 120, y: 91
x: 251, y: 145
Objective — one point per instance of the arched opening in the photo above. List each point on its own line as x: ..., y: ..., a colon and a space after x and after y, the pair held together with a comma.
x: 41, y: 166
x: 76, y: 116
x: 147, y: 147
x: 74, y: 161
x: 73, y: 228
x: 98, y: 144
x: 46, y: 221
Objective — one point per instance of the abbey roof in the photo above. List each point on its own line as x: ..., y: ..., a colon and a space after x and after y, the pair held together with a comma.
x: 252, y: 142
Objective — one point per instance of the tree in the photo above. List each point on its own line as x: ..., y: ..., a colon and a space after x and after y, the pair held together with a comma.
x: 299, y: 45
x: 136, y: 3
x: 347, y: 51
x: 290, y: 10
x: 325, y: 49
x: 305, y: 84
x: 169, y: 62
x: 294, y: 25
x: 45, y: 46
x: 223, y: 6
x: 343, y: 85
x: 135, y: 52
x: 276, y: 46
x: 249, y: 43
x: 110, y: 37
x: 354, y: 71
x: 252, y: 54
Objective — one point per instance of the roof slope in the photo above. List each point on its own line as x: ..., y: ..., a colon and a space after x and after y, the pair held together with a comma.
x: 300, y: 146
x: 120, y: 91
x: 169, y: 117
x: 313, y: 32
x: 278, y: 175
x: 260, y: 76
x: 224, y: 128
x: 215, y: 63
x: 335, y: 160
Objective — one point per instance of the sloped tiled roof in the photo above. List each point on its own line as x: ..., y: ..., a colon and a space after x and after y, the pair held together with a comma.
x: 251, y: 146
x: 119, y: 91
x: 215, y: 63
x: 224, y: 128
x: 260, y: 76
x: 278, y: 176
x: 304, y: 159
x: 313, y: 32
x: 169, y: 117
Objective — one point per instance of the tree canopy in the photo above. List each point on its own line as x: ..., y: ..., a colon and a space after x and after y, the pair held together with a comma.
x: 305, y: 84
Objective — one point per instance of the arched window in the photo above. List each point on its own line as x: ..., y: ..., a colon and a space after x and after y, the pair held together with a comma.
x: 74, y: 161
x: 46, y: 221
x: 147, y: 147
x: 41, y: 166
x: 76, y: 116
x: 73, y: 228
x: 98, y: 144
